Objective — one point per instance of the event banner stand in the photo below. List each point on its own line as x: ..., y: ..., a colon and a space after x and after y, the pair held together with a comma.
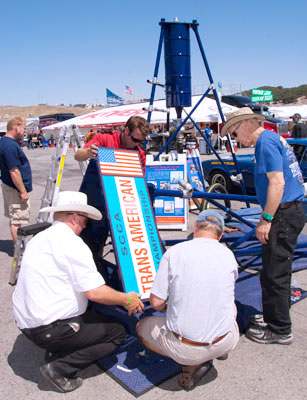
x: 165, y: 174
x: 135, y: 238
x: 195, y: 174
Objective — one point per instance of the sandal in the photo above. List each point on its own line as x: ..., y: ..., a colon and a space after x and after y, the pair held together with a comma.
x: 191, y: 374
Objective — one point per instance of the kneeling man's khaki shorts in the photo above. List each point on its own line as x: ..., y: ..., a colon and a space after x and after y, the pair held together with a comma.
x: 18, y: 212
x: 155, y: 331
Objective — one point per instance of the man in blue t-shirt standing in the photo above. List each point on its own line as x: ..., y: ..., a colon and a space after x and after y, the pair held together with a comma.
x: 16, y: 176
x: 280, y: 191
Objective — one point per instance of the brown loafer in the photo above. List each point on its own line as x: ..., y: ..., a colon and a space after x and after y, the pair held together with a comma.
x: 223, y: 357
x: 192, y: 374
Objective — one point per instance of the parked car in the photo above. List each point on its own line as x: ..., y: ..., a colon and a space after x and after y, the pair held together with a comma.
x: 215, y: 172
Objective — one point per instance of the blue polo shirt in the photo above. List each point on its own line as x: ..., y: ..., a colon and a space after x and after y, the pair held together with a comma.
x: 272, y: 153
x: 12, y: 156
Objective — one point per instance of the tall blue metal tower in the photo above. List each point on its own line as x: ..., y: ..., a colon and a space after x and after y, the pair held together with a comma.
x: 177, y: 56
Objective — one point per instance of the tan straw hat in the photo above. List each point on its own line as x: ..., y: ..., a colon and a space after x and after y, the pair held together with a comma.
x: 240, y: 115
x: 74, y: 202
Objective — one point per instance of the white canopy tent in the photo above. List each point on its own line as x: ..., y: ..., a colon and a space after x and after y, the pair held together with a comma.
x: 207, y: 111
x: 3, y: 127
x: 285, y: 112
x: 32, y: 125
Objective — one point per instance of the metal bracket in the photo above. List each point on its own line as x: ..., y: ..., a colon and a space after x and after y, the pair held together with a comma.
x: 236, y: 178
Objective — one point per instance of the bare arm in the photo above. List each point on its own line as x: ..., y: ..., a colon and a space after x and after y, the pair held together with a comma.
x: 157, y: 303
x: 84, y: 154
x: 274, y: 196
x: 17, y: 180
x: 106, y: 295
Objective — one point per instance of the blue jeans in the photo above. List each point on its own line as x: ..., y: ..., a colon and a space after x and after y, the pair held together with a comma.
x: 277, y: 256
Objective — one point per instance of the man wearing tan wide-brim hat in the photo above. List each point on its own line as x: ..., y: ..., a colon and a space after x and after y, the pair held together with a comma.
x: 242, y: 114
x: 280, y: 191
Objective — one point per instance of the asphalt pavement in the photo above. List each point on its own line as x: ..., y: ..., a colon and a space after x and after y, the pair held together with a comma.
x: 252, y: 371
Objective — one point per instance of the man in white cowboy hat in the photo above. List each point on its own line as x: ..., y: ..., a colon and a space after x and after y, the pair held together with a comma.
x: 57, y: 278
x: 280, y: 191
x: 199, y: 326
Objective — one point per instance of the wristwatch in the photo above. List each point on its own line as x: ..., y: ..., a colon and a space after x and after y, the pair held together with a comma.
x: 267, y: 217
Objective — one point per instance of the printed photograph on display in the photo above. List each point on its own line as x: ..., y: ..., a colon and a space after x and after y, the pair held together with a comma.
x: 169, y: 207
x: 176, y: 176
x: 155, y: 183
x: 164, y: 185
x: 193, y: 168
x: 197, y: 182
x: 175, y: 186
x: 158, y: 203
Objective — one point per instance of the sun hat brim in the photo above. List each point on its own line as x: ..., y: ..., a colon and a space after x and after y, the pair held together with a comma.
x: 90, y: 211
x: 238, y: 118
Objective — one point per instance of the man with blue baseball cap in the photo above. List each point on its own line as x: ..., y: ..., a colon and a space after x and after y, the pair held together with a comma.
x: 194, y: 285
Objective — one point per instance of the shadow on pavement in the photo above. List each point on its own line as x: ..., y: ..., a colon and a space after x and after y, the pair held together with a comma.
x: 25, y: 359
x: 172, y: 385
x: 6, y: 246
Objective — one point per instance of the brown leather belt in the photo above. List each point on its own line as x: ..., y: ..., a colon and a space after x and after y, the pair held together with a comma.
x: 289, y: 204
x: 192, y: 343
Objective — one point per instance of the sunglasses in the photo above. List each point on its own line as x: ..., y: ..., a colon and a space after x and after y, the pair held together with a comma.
x: 82, y: 215
x: 79, y: 215
x: 234, y: 133
x: 135, y: 140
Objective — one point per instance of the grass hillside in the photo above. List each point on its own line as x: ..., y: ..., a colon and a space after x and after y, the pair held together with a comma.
x: 296, y: 95
x: 285, y: 95
x: 36, y: 111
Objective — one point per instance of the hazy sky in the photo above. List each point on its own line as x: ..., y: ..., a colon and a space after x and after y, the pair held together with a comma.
x: 70, y: 51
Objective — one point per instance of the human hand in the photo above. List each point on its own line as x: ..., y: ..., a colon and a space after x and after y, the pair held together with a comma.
x: 24, y: 196
x: 164, y: 308
x: 263, y: 230
x: 92, y: 151
x: 134, y: 304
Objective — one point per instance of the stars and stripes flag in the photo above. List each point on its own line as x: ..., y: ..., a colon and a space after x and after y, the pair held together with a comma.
x: 119, y: 162
x: 128, y: 90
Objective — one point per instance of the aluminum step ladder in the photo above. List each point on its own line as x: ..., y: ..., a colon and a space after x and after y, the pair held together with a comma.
x: 69, y: 135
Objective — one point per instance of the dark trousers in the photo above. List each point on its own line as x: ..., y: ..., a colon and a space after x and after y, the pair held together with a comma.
x: 277, y: 256
x: 79, y: 341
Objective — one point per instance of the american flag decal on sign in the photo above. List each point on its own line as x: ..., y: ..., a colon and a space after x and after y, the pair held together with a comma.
x: 119, y: 162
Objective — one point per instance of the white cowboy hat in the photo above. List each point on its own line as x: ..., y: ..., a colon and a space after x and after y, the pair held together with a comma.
x: 240, y: 115
x: 74, y: 202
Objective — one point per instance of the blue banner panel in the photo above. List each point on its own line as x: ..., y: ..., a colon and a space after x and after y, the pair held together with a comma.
x: 195, y: 174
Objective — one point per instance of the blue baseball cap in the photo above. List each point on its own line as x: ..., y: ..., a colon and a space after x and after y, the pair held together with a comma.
x: 296, y: 115
x: 205, y: 216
